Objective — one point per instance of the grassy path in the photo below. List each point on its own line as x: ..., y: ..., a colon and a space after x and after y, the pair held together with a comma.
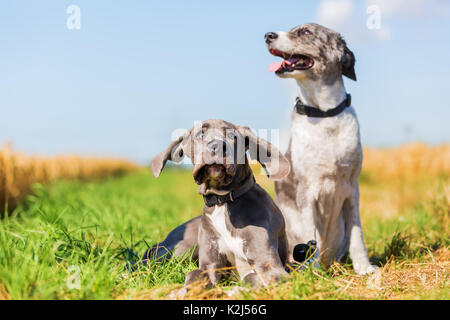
x: 88, y: 231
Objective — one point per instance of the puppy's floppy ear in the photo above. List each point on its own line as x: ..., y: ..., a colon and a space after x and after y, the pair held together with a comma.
x: 348, y: 62
x: 272, y: 160
x: 174, y: 152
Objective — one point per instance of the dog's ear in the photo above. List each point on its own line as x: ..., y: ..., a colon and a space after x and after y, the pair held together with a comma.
x: 175, y: 152
x: 271, y: 159
x: 348, y: 63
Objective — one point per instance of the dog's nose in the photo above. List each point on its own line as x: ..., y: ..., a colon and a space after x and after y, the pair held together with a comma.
x: 216, y: 145
x: 269, y: 36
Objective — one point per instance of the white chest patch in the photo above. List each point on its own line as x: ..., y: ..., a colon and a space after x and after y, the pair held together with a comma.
x: 326, y: 148
x: 232, y: 247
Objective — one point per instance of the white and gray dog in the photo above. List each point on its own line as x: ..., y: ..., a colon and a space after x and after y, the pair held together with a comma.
x: 320, y: 197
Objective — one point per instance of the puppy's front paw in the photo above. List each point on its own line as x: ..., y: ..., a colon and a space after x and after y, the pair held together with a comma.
x: 364, y: 269
x: 194, y: 276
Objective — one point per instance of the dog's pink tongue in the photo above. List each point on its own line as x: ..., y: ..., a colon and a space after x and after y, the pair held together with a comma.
x: 275, y: 66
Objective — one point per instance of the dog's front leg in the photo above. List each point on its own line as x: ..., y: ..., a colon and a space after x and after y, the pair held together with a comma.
x: 264, y: 259
x: 208, y: 273
x: 208, y: 277
x: 210, y: 261
x: 357, y: 249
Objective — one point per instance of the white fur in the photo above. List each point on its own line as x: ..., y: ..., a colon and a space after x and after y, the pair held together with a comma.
x: 327, y: 158
x: 232, y: 247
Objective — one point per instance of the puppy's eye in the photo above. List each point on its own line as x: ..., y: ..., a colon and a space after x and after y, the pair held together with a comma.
x: 199, y: 135
x: 230, y: 135
x: 304, y: 32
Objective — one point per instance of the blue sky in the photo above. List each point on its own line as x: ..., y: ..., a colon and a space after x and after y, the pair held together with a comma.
x: 137, y: 70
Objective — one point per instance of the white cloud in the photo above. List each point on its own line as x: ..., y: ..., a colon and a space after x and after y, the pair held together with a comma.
x: 349, y: 16
x: 412, y: 8
x: 349, y: 19
x: 335, y: 13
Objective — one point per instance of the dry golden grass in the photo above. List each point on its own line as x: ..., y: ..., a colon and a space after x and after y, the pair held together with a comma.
x: 410, y: 279
x: 397, y: 179
x: 405, y: 280
x: 19, y: 171
x: 407, y: 163
x: 3, y: 293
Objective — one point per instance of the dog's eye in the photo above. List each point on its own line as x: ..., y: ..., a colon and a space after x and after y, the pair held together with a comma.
x: 199, y: 135
x: 304, y: 32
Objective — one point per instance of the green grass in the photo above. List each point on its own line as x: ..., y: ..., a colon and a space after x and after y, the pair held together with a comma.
x: 97, y: 228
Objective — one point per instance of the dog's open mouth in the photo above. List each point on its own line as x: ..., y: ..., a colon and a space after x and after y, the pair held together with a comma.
x: 290, y: 62
x: 214, y: 174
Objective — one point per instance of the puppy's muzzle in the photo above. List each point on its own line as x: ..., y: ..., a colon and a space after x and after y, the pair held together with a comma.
x: 217, y: 158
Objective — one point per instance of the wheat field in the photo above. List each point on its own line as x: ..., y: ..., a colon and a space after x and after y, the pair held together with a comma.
x: 397, y: 166
x: 18, y: 172
x: 397, y: 179
x: 407, y: 163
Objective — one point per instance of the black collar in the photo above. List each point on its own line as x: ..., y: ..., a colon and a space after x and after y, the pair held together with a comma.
x: 317, y: 113
x: 212, y: 200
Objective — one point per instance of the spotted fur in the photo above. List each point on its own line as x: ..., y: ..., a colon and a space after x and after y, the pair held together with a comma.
x: 320, y: 196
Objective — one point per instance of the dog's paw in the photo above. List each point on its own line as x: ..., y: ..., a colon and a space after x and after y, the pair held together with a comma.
x: 364, y: 269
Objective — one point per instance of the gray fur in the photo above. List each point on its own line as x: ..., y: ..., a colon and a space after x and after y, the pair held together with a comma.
x: 247, y: 233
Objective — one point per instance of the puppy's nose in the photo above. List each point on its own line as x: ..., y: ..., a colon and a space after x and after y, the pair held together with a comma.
x: 270, y: 36
x: 216, y: 145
